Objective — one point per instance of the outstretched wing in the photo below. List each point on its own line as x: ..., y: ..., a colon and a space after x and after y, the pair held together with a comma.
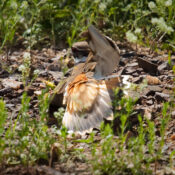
x: 88, y: 103
x: 106, y: 56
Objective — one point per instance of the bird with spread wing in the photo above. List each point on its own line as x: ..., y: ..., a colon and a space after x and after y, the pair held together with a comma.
x: 88, y: 92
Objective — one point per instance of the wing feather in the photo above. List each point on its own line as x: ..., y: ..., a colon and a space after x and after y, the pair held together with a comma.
x: 92, y: 106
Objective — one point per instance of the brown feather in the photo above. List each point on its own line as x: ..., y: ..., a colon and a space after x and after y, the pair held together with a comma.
x: 88, y: 103
x: 89, y: 100
x: 106, y: 56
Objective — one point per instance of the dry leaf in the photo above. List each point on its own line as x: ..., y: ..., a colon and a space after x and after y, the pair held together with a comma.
x: 173, y: 137
x: 152, y: 80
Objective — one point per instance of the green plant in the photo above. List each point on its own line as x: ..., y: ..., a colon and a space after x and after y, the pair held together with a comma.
x: 150, y: 23
x: 129, y: 155
x: 26, y: 71
x: 3, y: 117
x: 164, y: 121
x: 11, y: 13
x: 25, y: 67
x: 27, y: 140
x: 59, y: 115
x: 64, y: 136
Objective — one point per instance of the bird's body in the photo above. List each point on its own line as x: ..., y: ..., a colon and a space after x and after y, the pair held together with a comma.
x: 87, y: 95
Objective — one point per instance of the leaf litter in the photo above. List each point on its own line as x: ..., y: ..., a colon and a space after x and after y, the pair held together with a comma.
x: 153, y: 73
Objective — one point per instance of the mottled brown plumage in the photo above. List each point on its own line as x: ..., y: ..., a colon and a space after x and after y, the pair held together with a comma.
x: 87, y: 95
x: 88, y: 102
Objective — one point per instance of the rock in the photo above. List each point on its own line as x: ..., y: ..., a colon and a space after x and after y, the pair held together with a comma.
x: 130, y: 70
x: 4, y: 74
x: 81, y: 46
x: 151, y: 89
x: 50, y: 52
x: 5, y: 91
x: 163, y: 67
x: 38, y: 92
x: 148, y: 113
x: 132, y: 64
x: 149, y: 102
x: 161, y: 96
x: 55, y: 66
x: 43, y: 73
x: 122, y: 62
x: 147, y: 65
x: 139, y: 70
x: 56, y: 75
x: 173, y: 114
x: 135, y: 74
x: 80, y: 49
x: 137, y: 79
x: 128, y: 54
x: 11, y: 83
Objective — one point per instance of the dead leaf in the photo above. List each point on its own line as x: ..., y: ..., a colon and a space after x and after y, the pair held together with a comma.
x: 173, y: 137
x: 151, y: 80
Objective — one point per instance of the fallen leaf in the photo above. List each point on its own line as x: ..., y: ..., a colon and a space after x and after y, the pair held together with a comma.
x: 151, y: 80
x: 173, y: 137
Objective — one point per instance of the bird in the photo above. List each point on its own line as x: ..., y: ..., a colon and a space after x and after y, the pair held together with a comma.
x: 88, y: 92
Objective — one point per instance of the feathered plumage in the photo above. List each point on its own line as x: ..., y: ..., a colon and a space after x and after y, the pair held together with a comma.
x: 88, y: 102
x: 87, y: 95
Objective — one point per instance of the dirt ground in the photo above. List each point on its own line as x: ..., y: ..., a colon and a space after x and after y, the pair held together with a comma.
x: 141, y: 65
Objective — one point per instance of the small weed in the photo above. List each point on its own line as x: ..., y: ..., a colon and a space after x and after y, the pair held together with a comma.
x: 133, y: 155
x: 3, y: 117
x: 26, y: 140
x: 26, y: 71
x: 59, y: 115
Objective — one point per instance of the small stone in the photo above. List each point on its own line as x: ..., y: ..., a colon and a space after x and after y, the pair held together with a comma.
x: 149, y: 102
x: 132, y: 64
x: 148, y: 113
x: 139, y: 69
x: 151, y: 90
x: 130, y: 70
x: 55, y: 66
x: 135, y: 74
x: 4, y: 74
x: 163, y: 67
x: 38, y: 92
x: 11, y: 83
x: 147, y: 65
x: 13, y: 58
x: 173, y: 114
x: 5, y: 91
x: 137, y: 80
x: 56, y: 75
x: 161, y: 96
